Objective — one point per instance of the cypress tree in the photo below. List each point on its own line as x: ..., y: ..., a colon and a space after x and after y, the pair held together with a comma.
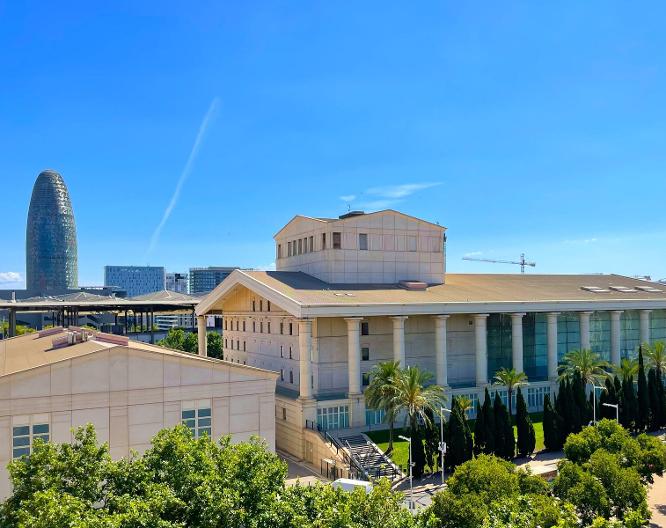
x: 460, y: 437
x: 500, y: 430
x: 526, y: 436
x: 562, y: 411
x: 489, y: 419
x: 551, y: 435
x: 418, y: 452
x: 643, y: 417
x: 580, y: 400
x: 479, y: 431
x: 574, y: 411
x: 629, y: 409
x: 653, y: 397
x: 662, y: 399
x: 509, y: 438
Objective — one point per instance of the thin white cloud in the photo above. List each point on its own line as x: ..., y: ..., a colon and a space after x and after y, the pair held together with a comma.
x: 266, y: 267
x: 400, y: 191
x: 473, y: 254
x: 582, y: 241
x: 210, y: 115
x: 348, y: 197
x: 9, y: 277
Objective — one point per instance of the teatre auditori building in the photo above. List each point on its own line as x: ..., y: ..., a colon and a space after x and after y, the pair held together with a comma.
x: 353, y: 291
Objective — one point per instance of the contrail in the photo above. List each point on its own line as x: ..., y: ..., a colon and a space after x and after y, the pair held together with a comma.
x: 210, y: 115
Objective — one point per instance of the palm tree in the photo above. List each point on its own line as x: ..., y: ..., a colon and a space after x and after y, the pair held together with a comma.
x: 588, y: 364
x: 628, y: 368
x: 415, y: 398
x: 464, y: 402
x: 656, y: 356
x: 381, y: 390
x: 510, y: 379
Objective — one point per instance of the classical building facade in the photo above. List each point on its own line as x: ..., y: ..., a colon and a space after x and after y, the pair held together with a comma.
x: 349, y: 293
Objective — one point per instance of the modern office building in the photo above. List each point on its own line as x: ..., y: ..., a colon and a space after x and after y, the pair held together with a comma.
x: 177, y: 282
x: 364, y: 288
x: 57, y: 380
x: 174, y: 320
x: 135, y: 280
x: 50, y: 241
x: 203, y: 280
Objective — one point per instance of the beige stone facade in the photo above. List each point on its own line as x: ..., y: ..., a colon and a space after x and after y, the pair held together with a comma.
x: 128, y: 391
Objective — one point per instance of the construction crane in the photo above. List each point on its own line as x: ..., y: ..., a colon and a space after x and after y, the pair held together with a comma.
x: 522, y: 262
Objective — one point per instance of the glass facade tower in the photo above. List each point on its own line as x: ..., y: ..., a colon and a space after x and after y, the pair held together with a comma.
x: 51, y: 254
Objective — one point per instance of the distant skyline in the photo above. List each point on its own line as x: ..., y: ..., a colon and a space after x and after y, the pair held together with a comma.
x: 189, y: 137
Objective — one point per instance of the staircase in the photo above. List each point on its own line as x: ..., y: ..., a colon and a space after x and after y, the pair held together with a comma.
x: 374, y: 462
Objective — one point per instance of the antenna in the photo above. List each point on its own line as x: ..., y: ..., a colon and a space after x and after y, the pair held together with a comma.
x: 522, y: 262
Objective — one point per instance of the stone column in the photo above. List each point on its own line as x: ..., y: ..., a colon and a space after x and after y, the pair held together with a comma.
x: 440, y: 350
x: 354, y: 354
x: 517, y: 341
x: 481, y: 348
x: 11, y: 330
x: 615, y: 336
x: 552, y: 345
x: 645, y: 326
x: 399, y: 340
x: 585, y: 329
x: 201, y: 335
x: 305, y: 358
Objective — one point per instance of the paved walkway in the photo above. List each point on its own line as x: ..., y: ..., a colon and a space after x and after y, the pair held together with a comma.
x: 657, y: 502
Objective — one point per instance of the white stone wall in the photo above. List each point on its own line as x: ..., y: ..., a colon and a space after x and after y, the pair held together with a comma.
x: 399, y: 248
x: 129, y: 395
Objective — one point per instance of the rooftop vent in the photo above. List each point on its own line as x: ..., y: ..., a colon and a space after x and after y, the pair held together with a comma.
x: 70, y: 338
x: 350, y: 214
x: 414, y: 285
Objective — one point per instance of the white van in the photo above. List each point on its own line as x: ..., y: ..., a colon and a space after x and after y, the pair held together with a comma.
x: 351, y: 484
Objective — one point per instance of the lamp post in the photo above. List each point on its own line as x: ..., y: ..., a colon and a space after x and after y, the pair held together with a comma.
x: 411, y: 487
x: 442, y: 443
x: 617, y: 410
x: 594, y: 402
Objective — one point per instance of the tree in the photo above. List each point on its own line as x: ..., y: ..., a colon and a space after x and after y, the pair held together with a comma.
x: 480, y: 433
x: 655, y: 401
x: 656, y: 356
x: 510, y: 379
x: 589, y: 365
x: 381, y: 392
x: 174, y: 339
x: 584, y: 491
x: 551, y: 434
x: 526, y: 436
x: 579, y: 398
x: 459, y: 445
x: 643, y: 402
x: 415, y: 398
x: 628, y: 368
x: 191, y: 343
x: 489, y: 420
x: 505, y: 444
x: 629, y: 405
x: 214, y: 345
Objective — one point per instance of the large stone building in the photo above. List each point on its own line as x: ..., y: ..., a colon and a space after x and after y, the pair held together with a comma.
x: 59, y: 379
x: 351, y: 292
x: 50, y: 241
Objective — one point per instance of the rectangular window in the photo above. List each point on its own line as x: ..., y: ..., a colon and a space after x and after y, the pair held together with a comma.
x: 291, y: 377
x: 237, y: 344
x: 281, y: 351
x: 291, y: 329
x: 363, y: 241
x: 279, y: 251
x: 261, y: 327
x: 284, y: 413
x: 254, y: 305
x: 323, y: 241
x: 244, y: 346
x: 311, y: 243
x: 268, y: 306
x: 261, y: 305
x: 225, y: 324
x: 236, y: 324
x: 366, y: 379
x: 336, y: 417
x: 411, y: 243
x: 225, y: 343
x: 365, y: 353
x: 23, y: 437
x: 243, y: 326
x: 198, y: 420
x: 281, y: 328
x: 254, y: 327
x: 300, y: 246
x: 290, y: 354
x: 337, y: 240
x: 281, y: 374
x: 232, y: 344
x: 268, y: 330
x: 365, y: 328
x: 289, y: 249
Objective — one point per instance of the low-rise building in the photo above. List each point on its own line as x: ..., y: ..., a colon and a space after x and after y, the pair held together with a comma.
x: 58, y: 379
x: 349, y: 293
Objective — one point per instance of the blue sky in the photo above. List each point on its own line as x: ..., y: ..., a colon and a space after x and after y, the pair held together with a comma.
x: 523, y: 127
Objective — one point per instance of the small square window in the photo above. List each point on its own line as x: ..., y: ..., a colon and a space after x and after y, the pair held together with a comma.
x: 366, y: 379
x: 365, y: 328
x: 363, y: 241
x: 365, y: 353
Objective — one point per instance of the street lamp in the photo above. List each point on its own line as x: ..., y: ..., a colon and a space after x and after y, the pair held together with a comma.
x: 617, y: 410
x: 442, y: 443
x: 411, y: 487
x: 594, y: 402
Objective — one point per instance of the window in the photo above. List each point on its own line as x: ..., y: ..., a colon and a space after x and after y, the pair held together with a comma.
x: 279, y: 251
x: 254, y: 326
x: 291, y: 376
x: 281, y: 374
x: 365, y: 353
x: 284, y: 413
x: 365, y: 328
x: 291, y: 329
x: 290, y: 355
x: 237, y: 325
x: 337, y: 240
x: 23, y: 437
x: 243, y: 326
x: 281, y: 328
x: 225, y: 343
x: 311, y: 243
x: 366, y: 379
x: 261, y: 327
x: 336, y: 417
x: 289, y: 249
x: 300, y: 246
x: 411, y: 243
x: 237, y: 344
x: 244, y: 346
x: 363, y: 241
x: 268, y: 331
x: 323, y: 241
x: 254, y: 305
x: 268, y: 306
x: 281, y: 351
x: 232, y: 344
x: 198, y: 419
x: 261, y: 305
x: 225, y: 324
